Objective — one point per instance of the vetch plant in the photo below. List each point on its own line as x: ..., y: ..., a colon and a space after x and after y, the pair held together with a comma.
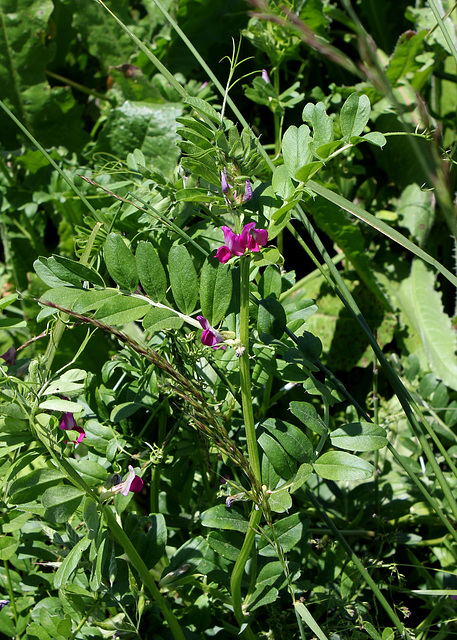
x: 338, y: 414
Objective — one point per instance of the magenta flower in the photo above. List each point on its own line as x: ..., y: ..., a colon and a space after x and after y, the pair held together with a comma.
x: 68, y: 423
x: 236, y: 244
x: 9, y: 356
x: 131, y: 483
x: 210, y: 337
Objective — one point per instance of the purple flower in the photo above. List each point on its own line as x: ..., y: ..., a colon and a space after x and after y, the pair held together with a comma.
x: 265, y: 76
x: 132, y: 482
x: 68, y: 423
x: 9, y: 356
x: 3, y: 603
x: 231, y: 194
x: 225, y: 186
x: 236, y: 244
x: 210, y: 337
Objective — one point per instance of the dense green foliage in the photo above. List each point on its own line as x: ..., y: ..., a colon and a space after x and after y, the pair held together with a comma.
x: 296, y: 480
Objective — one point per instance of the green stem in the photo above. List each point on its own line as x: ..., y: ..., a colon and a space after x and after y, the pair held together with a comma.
x: 238, y: 569
x: 253, y: 452
x: 245, y: 374
x: 361, y: 569
x: 10, y: 591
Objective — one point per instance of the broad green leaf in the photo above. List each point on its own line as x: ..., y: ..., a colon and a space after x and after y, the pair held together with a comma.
x: 339, y: 465
x: 282, y: 462
x: 295, y: 148
x: 308, y: 171
x: 8, y: 547
x: 288, y: 531
x: 316, y: 116
x: 416, y: 212
x: 373, y: 137
x: 124, y: 410
x: 54, y: 274
x: 280, y: 218
x: 81, y: 271
x: 280, y: 501
x: 359, y: 436
x: 294, y: 441
x: 61, y: 502
x: 215, y: 290
x: 404, y: 59
x: 120, y: 262
x: 31, y: 486
x: 121, y: 310
x: 354, y: 115
x: 307, y: 414
x: 226, y: 544
x: 7, y: 300
x: 183, y: 278
x: 146, y: 126
x: 70, y: 563
x: 271, y: 318
x: 423, y: 308
x: 90, y: 471
x: 58, y: 404
x: 271, y: 282
x: 197, y: 195
x: 222, y: 517
x: 305, y: 470
x: 158, y: 319
x: 204, y: 108
x: 282, y: 183
x: 262, y: 596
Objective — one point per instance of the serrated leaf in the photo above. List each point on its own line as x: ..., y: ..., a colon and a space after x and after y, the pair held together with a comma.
x: 342, y: 466
x: 354, y: 115
x: 152, y: 275
x: 215, y: 290
x: 120, y: 262
x: 183, y: 278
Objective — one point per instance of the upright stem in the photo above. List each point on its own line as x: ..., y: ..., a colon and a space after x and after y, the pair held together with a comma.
x: 245, y: 374
x: 253, y: 452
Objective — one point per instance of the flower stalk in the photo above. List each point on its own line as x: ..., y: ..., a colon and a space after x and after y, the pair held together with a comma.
x: 253, y: 451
